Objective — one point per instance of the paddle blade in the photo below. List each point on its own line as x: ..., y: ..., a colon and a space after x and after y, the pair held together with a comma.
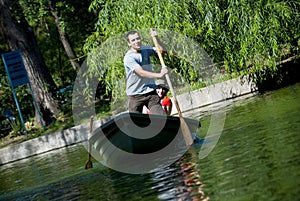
x: 186, y: 132
x: 88, y: 164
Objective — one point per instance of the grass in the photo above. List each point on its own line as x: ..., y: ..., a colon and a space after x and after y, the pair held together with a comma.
x: 62, y: 123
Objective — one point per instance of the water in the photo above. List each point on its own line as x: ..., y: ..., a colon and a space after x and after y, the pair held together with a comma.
x: 256, y: 158
x: 258, y: 155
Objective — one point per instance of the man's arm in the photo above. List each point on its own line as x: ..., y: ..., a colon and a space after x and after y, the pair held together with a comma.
x: 143, y: 73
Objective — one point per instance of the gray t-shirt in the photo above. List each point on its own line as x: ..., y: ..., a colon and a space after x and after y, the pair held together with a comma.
x: 136, y: 84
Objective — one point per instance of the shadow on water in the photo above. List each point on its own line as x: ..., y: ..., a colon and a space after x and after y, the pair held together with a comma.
x: 287, y: 74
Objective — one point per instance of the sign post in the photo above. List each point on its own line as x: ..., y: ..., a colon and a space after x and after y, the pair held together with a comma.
x: 17, y: 76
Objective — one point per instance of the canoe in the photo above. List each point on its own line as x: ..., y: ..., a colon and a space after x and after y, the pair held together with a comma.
x: 139, y: 143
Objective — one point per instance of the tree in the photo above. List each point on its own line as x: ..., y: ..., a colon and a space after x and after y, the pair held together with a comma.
x: 64, y: 38
x: 67, y: 17
x: 248, y: 37
x: 19, y: 36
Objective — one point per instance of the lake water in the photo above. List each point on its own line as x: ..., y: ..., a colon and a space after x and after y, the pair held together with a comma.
x: 257, y: 157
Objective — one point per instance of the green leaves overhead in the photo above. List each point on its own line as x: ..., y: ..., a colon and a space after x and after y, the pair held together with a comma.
x: 116, y: 17
x: 245, y: 35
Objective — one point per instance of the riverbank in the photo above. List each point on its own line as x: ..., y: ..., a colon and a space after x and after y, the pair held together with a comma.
x: 191, y: 101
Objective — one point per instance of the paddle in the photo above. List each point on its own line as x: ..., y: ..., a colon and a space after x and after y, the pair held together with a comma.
x: 89, y: 163
x: 184, y: 127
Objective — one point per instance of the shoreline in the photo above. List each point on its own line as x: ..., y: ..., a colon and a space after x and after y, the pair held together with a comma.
x: 189, y: 102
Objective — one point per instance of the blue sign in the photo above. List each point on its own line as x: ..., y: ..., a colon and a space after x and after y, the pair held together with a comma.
x: 17, y: 76
x: 15, y: 68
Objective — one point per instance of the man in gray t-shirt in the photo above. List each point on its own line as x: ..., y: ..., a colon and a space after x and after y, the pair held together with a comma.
x: 140, y: 84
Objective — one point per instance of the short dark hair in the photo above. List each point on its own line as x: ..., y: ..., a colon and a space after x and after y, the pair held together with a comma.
x: 130, y: 33
x: 164, y: 88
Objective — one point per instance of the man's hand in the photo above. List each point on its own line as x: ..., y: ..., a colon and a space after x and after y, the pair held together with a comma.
x: 163, y: 71
x: 153, y: 33
x: 160, y: 46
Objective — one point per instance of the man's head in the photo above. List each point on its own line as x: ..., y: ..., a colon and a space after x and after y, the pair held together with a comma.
x: 134, y: 40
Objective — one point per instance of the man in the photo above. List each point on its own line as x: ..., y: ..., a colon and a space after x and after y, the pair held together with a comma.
x: 140, y: 85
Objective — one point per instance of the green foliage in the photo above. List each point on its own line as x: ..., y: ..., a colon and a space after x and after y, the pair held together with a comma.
x: 117, y: 17
x: 75, y: 20
x: 7, y: 102
x: 246, y: 36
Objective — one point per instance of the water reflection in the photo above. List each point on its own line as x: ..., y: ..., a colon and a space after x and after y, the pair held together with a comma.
x: 257, y: 156
x: 181, y: 181
x: 61, y: 176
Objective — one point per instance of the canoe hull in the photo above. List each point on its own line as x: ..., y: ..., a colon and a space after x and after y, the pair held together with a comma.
x: 139, y: 143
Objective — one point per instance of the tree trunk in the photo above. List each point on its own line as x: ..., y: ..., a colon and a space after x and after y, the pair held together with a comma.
x: 19, y: 36
x: 64, y: 39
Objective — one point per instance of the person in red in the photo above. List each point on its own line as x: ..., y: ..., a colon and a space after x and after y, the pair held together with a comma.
x: 165, y: 101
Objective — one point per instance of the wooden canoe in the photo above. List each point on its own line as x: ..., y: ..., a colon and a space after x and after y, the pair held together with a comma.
x: 127, y: 139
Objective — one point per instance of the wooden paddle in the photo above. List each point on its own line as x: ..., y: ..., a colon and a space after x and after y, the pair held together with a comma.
x: 89, y: 163
x: 184, y: 127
